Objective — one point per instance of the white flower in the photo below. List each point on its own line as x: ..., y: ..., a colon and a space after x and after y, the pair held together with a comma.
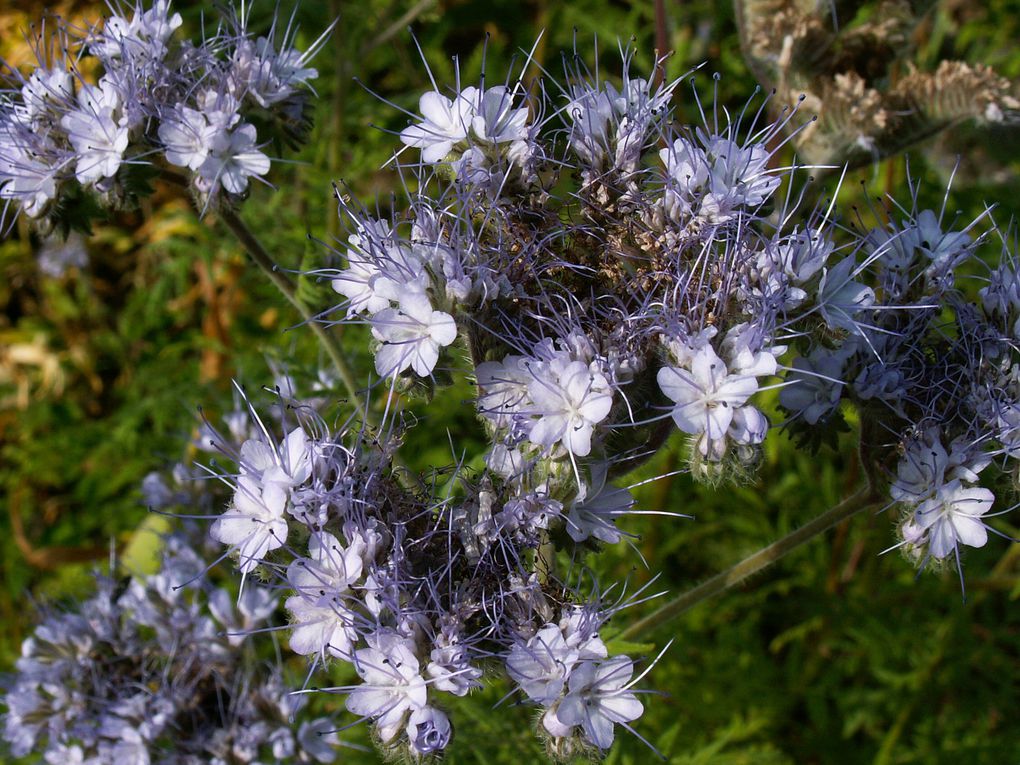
x: 144, y: 36
x: 707, y: 396
x: 45, y: 88
x: 267, y: 76
x: 505, y: 462
x: 187, y: 137
x: 323, y: 625
x: 450, y: 670
x: 927, y: 467
x: 485, y: 116
x: 569, y: 400
x: 445, y: 122
x: 392, y: 687
x: 289, y: 465
x: 598, y: 699
x: 803, y: 254
x: 710, y: 183
x: 687, y: 172
x: 496, y: 121
x: 953, y: 516
x: 590, y: 112
x: 322, y: 621
x: 521, y: 516
x: 1001, y: 297
x: 382, y: 269
x: 329, y: 568
x: 749, y: 426
x: 98, y: 139
x: 255, y: 523
x: 746, y: 353
x: 233, y: 158
x: 580, y: 630
x: 411, y: 337
x: 60, y: 754
x: 502, y: 390
x: 26, y: 179
x: 364, y: 541
x: 542, y: 665
x: 131, y: 749
x: 840, y: 298
x: 1007, y: 422
x: 921, y: 470
x: 740, y: 173
x: 638, y: 109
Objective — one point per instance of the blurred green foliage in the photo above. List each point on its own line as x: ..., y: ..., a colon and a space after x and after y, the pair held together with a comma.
x: 836, y: 655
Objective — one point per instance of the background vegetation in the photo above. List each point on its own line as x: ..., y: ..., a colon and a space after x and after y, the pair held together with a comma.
x: 836, y: 655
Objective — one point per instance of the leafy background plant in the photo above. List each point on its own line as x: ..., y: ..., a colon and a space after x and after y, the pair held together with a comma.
x: 835, y: 655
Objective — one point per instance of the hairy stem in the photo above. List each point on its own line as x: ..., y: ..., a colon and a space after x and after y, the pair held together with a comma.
x: 860, y: 500
x: 545, y: 559
x: 283, y: 283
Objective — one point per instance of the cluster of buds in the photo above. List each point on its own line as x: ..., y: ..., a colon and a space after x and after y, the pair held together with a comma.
x: 146, y: 671
x: 935, y: 369
x: 108, y: 103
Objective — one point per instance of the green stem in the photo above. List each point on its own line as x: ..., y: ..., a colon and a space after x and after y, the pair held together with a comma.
x: 860, y: 500
x: 397, y: 26
x: 545, y: 560
x: 283, y: 283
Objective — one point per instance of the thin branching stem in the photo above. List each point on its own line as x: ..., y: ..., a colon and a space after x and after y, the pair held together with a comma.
x: 862, y: 499
x: 287, y: 288
x: 261, y: 257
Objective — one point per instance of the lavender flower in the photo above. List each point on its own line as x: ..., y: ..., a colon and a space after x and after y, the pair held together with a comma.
x: 160, y: 100
x: 143, y: 672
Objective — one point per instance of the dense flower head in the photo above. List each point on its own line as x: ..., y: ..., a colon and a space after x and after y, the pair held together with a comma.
x: 931, y: 365
x: 157, y: 102
x: 418, y: 592
x: 652, y: 272
x: 145, y: 671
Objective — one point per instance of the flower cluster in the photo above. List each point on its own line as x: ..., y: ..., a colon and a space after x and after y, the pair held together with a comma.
x: 933, y: 369
x: 604, y: 277
x: 638, y: 276
x: 157, y: 99
x: 146, y: 672
x: 659, y: 287
x: 420, y: 593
